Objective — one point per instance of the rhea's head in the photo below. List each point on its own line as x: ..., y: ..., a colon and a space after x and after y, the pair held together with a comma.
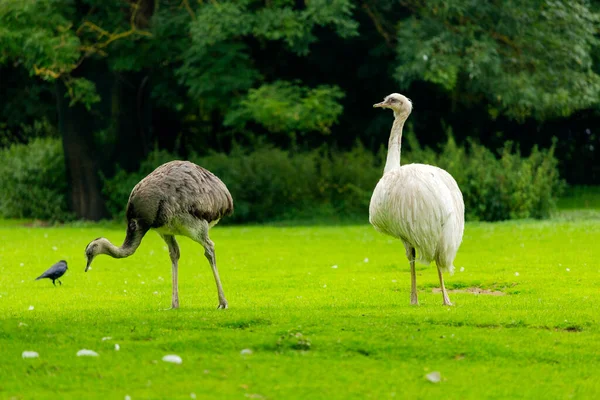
x: 95, y: 247
x: 400, y: 104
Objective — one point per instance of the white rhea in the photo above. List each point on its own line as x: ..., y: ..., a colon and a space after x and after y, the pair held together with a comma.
x: 177, y: 198
x: 419, y: 204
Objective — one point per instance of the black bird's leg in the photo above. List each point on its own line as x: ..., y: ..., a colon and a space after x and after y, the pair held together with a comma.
x: 53, y: 282
x: 59, y: 282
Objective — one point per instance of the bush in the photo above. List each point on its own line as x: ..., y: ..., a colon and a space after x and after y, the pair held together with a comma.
x: 270, y: 184
x: 117, y: 189
x: 33, y: 181
x: 494, y: 188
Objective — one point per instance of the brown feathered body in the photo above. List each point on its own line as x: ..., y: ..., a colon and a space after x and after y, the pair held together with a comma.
x: 177, y: 198
x: 176, y: 191
x: 175, y: 194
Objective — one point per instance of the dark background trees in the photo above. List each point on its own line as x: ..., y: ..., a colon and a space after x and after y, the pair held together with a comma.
x: 119, y: 78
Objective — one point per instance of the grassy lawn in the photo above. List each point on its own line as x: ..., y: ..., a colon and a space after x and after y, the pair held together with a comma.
x: 315, y: 332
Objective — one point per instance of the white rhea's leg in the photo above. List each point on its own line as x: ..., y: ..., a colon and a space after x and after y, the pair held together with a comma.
x: 209, y: 252
x: 174, y: 254
x: 411, y: 254
x: 444, y: 292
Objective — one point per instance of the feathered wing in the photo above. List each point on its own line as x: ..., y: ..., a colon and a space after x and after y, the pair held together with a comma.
x: 418, y: 204
x: 179, y: 188
x: 57, y: 269
x: 453, y: 228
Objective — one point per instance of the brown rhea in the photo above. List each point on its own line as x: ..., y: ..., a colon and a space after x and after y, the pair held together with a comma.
x: 177, y: 198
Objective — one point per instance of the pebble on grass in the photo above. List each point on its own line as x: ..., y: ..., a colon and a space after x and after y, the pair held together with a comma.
x: 106, y: 338
x: 172, y: 358
x: 30, y: 354
x: 246, y: 352
x: 31, y: 308
x: 434, y: 377
x: 334, y: 266
x: 86, y: 352
x: 117, y: 347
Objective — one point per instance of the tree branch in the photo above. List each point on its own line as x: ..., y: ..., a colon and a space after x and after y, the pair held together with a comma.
x: 186, y: 5
x: 379, y: 26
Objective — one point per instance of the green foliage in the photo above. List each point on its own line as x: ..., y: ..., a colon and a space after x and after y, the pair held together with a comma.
x: 284, y: 107
x: 271, y: 184
x: 38, y: 129
x: 230, y: 20
x: 525, y: 58
x: 494, y: 188
x: 33, y: 181
x: 218, y: 68
x: 37, y: 35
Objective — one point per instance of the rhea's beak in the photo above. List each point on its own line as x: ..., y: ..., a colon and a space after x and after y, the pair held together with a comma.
x: 379, y: 105
x: 89, y: 262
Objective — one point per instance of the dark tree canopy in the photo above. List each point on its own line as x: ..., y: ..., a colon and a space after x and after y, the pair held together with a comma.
x: 115, y: 78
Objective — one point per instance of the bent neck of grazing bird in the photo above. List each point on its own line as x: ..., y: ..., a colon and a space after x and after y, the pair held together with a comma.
x: 392, y: 161
x: 130, y: 244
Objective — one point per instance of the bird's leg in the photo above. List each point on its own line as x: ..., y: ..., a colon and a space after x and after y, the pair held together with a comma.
x: 413, y: 278
x: 59, y: 282
x: 175, y: 297
x: 444, y: 292
x: 209, y: 252
x: 53, y: 282
x: 174, y: 254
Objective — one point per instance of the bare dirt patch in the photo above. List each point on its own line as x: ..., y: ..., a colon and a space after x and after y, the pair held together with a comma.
x: 472, y: 290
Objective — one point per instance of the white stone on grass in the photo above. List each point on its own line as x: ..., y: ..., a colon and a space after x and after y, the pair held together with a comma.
x: 434, y: 377
x: 31, y: 308
x: 117, y: 347
x: 30, y: 354
x: 86, y: 353
x: 106, y: 338
x: 246, y: 352
x: 172, y: 358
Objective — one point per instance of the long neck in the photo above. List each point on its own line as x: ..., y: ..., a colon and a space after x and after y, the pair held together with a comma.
x: 132, y: 242
x: 394, y: 145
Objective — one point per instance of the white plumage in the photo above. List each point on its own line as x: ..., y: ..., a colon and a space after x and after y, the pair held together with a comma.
x: 417, y: 203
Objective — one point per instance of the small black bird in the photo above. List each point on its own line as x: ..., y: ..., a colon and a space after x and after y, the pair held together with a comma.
x: 55, y: 272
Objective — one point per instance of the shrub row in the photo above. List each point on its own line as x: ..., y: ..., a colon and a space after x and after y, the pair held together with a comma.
x: 269, y: 184
x: 33, y: 181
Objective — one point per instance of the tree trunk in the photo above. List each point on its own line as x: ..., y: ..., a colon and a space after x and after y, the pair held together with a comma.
x: 81, y: 158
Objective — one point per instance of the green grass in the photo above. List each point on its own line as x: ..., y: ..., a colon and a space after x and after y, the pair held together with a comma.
x: 316, y: 332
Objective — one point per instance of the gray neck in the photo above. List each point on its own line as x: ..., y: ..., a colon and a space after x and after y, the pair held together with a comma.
x: 130, y: 245
x: 120, y: 252
x: 395, y: 144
